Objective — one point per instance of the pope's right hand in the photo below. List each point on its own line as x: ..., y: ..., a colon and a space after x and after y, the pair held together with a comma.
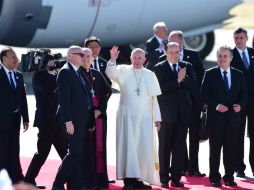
x: 114, y: 53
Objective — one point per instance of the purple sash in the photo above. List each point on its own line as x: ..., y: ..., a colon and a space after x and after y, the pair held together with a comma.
x: 100, y: 166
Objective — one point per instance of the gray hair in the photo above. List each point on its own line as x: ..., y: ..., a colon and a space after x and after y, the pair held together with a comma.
x: 172, y: 44
x: 158, y: 25
x: 87, y: 50
x: 176, y: 32
x: 225, y: 47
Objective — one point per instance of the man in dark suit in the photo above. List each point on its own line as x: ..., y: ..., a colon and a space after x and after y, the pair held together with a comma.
x: 75, y: 112
x: 156, y: 45
x: 191, y: 166
x: 225, y: 93
x: 176, y: 81
x: 99, y: 63
x: 13, y: 105
x: 243, y: 60
x: 44, y: 86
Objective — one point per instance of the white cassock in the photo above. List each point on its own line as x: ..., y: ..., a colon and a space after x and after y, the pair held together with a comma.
x: 136, y: 136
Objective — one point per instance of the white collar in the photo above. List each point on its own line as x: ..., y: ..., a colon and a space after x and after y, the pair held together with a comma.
x: 158, y: 39
x: 227, y: 70
x: 74, y: 66
x: 6, y: 69
x: 241, y: 51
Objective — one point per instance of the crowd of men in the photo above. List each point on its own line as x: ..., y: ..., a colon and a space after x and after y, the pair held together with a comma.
x: 162, y: 94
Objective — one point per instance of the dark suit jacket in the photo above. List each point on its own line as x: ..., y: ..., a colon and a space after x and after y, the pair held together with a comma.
x: 214, y: 93
x: 103, y: 65
x: 44, y: 86
x: 11, y: 100
x: 175, y: 98
x: 152, y: 55
x: 193, y: 58
x: 74, y: 99
x: 249, y: 74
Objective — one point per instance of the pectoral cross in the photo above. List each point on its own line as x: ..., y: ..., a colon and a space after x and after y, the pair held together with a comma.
x: 138, y: 91
x: 92, y: 92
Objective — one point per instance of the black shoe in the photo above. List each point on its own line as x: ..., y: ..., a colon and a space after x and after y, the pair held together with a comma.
x: 185, y: 173
x: 141, y: 185
x: 230, y: 183
x: 57, y: 188
x: 176, y: 184
x: 111, y: 181
x: 32, y: 181
x: 240, y: 174
x: 127, y: 187
x: 198, y: 174
x: 40, y: 186
x: 216, y: 184
x: 164, y: 185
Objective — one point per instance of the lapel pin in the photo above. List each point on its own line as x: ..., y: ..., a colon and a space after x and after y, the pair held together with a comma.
x: 188, y: 57
x: 93, y: 78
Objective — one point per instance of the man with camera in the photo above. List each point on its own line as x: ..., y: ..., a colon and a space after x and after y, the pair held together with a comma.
x: 44, y: 86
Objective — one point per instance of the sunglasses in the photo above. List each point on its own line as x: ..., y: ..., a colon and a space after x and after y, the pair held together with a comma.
x: 80, y: 54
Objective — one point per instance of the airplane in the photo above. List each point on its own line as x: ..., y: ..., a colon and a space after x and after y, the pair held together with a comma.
x: 126, y: 23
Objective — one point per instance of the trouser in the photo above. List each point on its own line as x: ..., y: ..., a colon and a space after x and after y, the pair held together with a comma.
x: 47, y: 136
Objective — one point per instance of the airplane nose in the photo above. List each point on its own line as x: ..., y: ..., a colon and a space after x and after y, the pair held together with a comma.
x: 20, y: 20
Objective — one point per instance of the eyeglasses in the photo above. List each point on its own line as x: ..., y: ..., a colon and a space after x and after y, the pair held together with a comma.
x: 80, y: 54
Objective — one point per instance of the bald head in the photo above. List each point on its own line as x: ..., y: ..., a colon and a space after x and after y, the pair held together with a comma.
x: 74, y: 49
x: 75, y: 55
x: 176, y: 36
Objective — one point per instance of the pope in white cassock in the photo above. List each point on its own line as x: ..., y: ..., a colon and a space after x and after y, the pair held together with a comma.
x: 137, y: 116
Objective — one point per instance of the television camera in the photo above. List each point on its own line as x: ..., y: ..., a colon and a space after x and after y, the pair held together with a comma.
x: 37, y: 60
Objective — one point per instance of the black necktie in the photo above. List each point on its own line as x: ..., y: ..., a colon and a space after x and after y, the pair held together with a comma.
x: 174, y: 69
x: 11, y: 81
x: 95, y: 65
x: 245, y: 60
x: 165, y: 43
x: 89, y: 101
x: 225, y: 78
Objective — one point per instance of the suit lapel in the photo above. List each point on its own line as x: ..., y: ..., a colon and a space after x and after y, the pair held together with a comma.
x: 6, y: 79
x: 75, y: 74
x: 18, y: 81
x: 186, y: 56
x: 220, y: 79
x: 167, y: 68
x: 233, y: 80
x: 101, y: 65
x: 239, y: 59
x: 251, y: 58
